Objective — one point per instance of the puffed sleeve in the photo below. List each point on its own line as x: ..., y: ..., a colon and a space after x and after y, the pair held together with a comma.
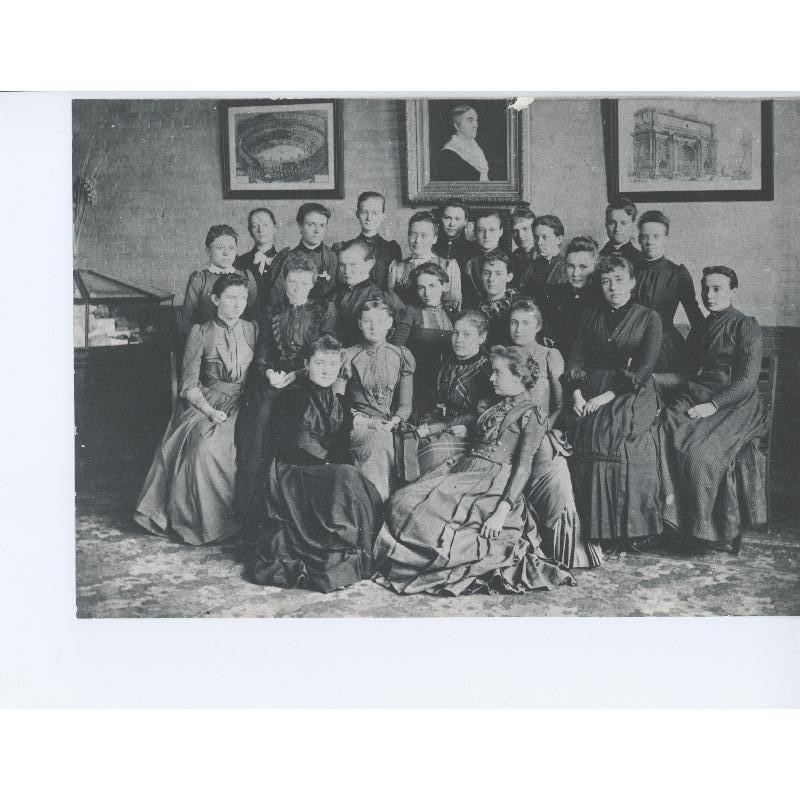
x: 192, y: 360
x: 327, y: 323
x: 454, y: 274
x: 404, y: 323
x: 191, y: 301
x: 648, y: 350
x: 555, y: 369
x: 688, y: 298
x: 252, y: 293
x: 395, y: 253
x: 529, y: 441
x: 576, y: 370
x: 405, y: 392
x: 745, y: 367
x: 392, y: 276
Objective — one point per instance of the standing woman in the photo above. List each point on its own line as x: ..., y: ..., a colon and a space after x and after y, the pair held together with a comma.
x: 465, y: 528
x: 549, y: 492
x: 715, y: 415
x: 198, y: 307
x: 321, y: 517
x: 189, y: 489
x: 426, y: 328
x: 462, y: 390
x: 615, y: 413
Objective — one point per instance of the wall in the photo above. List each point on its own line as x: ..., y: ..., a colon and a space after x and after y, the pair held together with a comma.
x: 162, y: 189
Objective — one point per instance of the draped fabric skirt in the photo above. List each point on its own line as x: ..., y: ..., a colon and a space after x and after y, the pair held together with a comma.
x: 321, y: 522
x: 433, y: 451
x: 432, y: 541
x: 617, y: 468
x: 549, y: 496
x: 372, y: 451
x: 189, y: 489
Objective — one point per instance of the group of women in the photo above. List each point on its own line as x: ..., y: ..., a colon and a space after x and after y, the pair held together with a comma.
x: 369, y: 422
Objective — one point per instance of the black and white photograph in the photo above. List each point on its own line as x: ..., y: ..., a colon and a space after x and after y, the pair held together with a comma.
x: 566, y: 402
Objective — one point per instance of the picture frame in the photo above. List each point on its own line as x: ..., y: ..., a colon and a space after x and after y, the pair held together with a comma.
x: 273, y: 149
x: 503, y: 138
x: 690, y: 149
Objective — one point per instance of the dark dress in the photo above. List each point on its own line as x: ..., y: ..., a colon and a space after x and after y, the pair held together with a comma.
x: 616, y: 470
x: 349, y: 301
x: 432, y: 541
x: 320, y: 518
x: 384, y: 251
x: 198, y: 308
x: 428, y: 333
x: 326, y: 262
x: 459, y: 249
x: 661, y: 285
x: 189, y: 490
x: 263, y: 276
x: 562, y: 306
x: 540, y: 274
x: 285, y: 333
x: 499, y: 314
x: 462, y: 390
x: 451, y: 167
x: 725, y: 360
x: 471, y: 280
x: 520, y: 264
x: 628, y: 251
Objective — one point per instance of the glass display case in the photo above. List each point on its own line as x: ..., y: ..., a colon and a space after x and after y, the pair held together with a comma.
x: 123, y: 344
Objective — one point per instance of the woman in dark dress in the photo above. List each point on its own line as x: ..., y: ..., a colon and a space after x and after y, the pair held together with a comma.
x: 465, y: 527
x: 716, y: 414
x: 426, y: 328
x: 321, y: 518
x: 613, y: 427
x: 462, y: 390
x: 662, y: 285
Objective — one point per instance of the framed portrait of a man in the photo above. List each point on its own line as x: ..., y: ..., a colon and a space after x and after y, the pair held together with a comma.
x: 473, y: 148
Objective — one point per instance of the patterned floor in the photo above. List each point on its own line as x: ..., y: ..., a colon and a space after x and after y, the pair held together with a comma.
x: 124, y: 572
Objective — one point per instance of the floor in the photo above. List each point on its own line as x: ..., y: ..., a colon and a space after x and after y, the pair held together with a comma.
x: 124, y: 572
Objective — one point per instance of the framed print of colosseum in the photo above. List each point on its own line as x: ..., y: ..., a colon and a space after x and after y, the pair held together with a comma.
x: 282, y: 149
x: 689, y: 149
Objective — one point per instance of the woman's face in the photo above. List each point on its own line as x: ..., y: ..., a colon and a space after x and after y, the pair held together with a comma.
x: 523, y: 327
x: 374, y: 325
x: 262, y: 229
x: 232, y: 303
x: 467, y: 124
x: 488, y: 231
x: 222, y: 252
x: 495, y: 278
x: 579, y: 267
x: 523, y: 234
x: 313, y: 228
x: 617, y: 286
x: 323, y: 368
x: 429, y: 290
x: 653, y: 240
x: 354, y: 266
x: 299, y: 283
x: 505, y: 382
x: 619, y: 226
x: 454, y: 221
x: 421, y: 236
x: 370, y: 214
x: 716, y: 291
x: 546, y: 242
x: 466, y: 339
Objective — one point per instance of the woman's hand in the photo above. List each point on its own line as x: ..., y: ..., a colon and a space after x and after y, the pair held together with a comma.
x: 279, y: 380
x: 216, y: 416
x: 458, y: 430
x: 495, y: 522
x: 423, y: 431
x: 578, y: 402
x: 702, y: 410
x: 597, y: 402
x: 390, y: 424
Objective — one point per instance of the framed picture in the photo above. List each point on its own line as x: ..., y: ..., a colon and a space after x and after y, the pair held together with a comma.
x: 688, y: 149
x: 282, y: 149
x: 474, y: 149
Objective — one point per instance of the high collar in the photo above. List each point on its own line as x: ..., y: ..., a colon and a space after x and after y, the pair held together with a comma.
x: 372, y: 349
x: 356, y: 286
x: 720, y: 314
x: 654, y: 263
x: 214, y: 270
x: 465, y: 361
x: 303, y: 247
x: 617, y: 312
x: 269, y: 253
x: 369, y: 239
x: 224, y: 325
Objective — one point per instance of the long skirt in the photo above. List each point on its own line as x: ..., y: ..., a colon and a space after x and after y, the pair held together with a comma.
x: 433, y: 451
x: 320, y: 528
x: 189, y: 489
x: 549, y: 496
x: 432, y: 541
x: 616, y: 472
x: 700, y: 455
x: 372, y: 451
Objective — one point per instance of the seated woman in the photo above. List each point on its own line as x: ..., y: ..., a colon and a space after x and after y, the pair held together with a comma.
x: 422, y: 230
x: 465, y: 528
x: 198, y: 306
x: 289, y: 325
x: 549, y: 492
x: 713, y: 417
x: 321, y: 518
x: 462, y: 390
x: 426, y: 328
x: 563, y: 304
x: 189, y: 489
x: 379, y: 387
x: 613, y: 427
